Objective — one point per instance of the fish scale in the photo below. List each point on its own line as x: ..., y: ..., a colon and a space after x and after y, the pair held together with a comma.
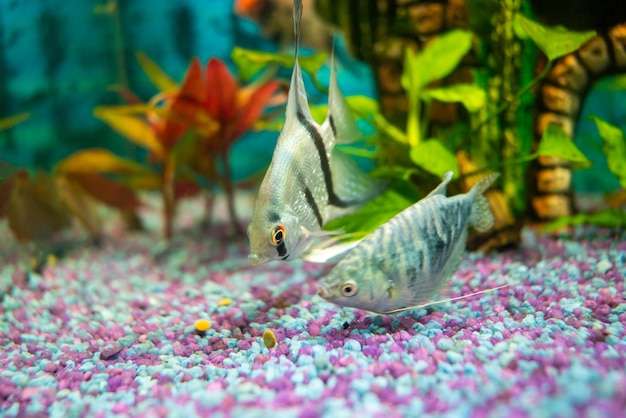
x: 407, y: 260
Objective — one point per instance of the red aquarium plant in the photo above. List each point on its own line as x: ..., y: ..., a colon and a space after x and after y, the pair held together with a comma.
x: 159, y: 127
x: 191, y: 126
x: 39, y: 206
x: 215, y: 92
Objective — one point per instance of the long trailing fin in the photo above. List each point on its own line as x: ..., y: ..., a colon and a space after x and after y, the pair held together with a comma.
x: 297, y: 18
x: 297, y: 101
x: 481, y: 217
x: 436, y: 302
x: 340, y: 118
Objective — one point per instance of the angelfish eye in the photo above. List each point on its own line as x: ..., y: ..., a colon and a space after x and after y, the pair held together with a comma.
x: 349, y: 288
x: 278, y: 234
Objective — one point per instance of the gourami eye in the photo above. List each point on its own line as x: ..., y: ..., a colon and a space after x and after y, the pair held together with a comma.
x: 349, y: 288
x: 278, y: 234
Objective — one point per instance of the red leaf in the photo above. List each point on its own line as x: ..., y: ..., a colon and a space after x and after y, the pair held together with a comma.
x: 193, y: 87
x: 221, y: 100
x: 5, y: 195
x: 128, y: 95
x: 184, y: 106
x: 107, y: 191
x: 253, y: 109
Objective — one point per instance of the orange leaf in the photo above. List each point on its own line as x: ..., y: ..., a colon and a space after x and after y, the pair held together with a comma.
x: 107, y: 191
x: 97, y: 160
x: 222, y: 89
x: 133, y: 128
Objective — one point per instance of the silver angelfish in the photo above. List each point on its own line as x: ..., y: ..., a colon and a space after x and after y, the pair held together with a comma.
x: 410, y: 258
x: 308, y: 182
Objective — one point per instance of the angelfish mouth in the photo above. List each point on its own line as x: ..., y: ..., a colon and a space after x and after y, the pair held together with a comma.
x: 255, y: 259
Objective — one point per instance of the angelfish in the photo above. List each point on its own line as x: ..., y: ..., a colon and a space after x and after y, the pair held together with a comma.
x: 410, y: 258
x: 308, y: 182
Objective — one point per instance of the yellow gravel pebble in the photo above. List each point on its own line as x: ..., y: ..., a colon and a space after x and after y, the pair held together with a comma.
x: 269, y: 338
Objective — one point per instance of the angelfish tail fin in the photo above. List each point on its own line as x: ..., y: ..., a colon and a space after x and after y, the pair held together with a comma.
x: 481, y: 217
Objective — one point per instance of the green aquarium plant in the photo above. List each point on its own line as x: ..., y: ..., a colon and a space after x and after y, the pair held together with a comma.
x: 614, y: 148
x: 410, y: 157
x: 433, y: 156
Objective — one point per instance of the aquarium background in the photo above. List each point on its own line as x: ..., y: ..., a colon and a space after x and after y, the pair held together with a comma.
x: 60, y: 59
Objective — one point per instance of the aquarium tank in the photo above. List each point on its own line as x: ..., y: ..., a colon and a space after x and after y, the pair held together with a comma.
x: 312, y: 208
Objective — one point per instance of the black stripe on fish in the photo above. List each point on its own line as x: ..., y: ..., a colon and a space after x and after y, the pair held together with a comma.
x: 273, y: 217
x: 412, y: 275
x: 333, y: 199
x: 310, y: 200
x: 282, y: 251
x: 331, y: 120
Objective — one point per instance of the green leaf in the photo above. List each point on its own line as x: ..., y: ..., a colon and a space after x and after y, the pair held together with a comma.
x: 609, y: 218
x: 367, y: 109
x: 250, y: 62
x: 556, y: 143
x: 613, y: 83
x: 156, y: 75
x: 398, y: 196
x: 614, y: 148
x: 432, y: 156
x: 470, y: 95
x: 437, y: 60
x: 363, y: 105
x: 6, y: 123
x: 554, y: 41
x: 394, y: 172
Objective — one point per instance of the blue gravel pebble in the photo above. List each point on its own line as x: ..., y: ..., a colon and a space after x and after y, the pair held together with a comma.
x: 445, y: 344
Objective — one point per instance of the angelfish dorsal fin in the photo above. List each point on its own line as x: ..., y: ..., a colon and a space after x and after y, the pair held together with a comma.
x: 297, y: 102
x: 441, y: 189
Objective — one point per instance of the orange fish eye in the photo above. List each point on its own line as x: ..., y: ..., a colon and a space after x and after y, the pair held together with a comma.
x: 278, y: 234
x: 349, y: 288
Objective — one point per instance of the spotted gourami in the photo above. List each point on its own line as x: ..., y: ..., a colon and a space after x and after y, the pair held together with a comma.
x: 407, y: 260
x: 308, y: 182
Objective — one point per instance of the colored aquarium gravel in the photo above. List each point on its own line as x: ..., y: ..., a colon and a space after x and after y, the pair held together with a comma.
x: 110, y: 331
